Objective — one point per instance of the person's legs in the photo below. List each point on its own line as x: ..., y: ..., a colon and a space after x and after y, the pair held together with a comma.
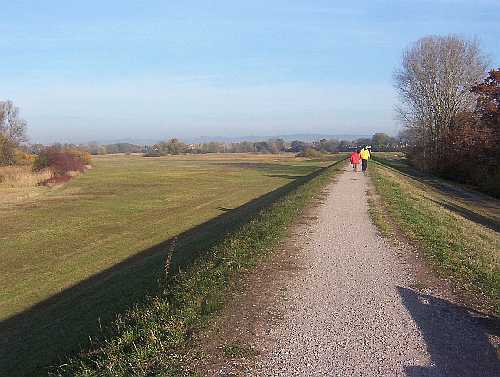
x: 364, y: 165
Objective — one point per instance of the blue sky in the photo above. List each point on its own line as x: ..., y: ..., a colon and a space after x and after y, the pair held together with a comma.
x: 103, y: 70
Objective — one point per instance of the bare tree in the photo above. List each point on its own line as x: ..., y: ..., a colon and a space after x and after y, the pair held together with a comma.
x: 11, y: 126
x: 434, y: 84
x: 12, y: 131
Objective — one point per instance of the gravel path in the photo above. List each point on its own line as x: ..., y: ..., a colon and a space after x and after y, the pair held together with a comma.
x: 351, y: 312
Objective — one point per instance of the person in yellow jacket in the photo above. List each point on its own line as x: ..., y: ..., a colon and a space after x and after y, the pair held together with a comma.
x: 365, y: 156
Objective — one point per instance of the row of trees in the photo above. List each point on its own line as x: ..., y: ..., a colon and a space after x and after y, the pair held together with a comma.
x: 449, y: 107
x: 175, y: 146
x: 379, y: 142
x: 96, y: 149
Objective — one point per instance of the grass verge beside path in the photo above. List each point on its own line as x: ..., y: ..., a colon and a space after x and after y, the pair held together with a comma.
x: 149, y: 338
x: 459, y: 249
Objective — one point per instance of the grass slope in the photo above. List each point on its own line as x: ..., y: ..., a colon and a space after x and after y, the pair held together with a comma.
x: 74, y: 256
x: 149, y: 338
x: 122, y: 206
x: 455, y: 228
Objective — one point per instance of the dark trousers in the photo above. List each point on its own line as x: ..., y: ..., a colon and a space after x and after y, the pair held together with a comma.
x: 364, y: 165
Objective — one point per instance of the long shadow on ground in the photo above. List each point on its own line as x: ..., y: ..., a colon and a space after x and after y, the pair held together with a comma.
x: 51, y: 330
x: 456, y: 337
x: 452, y: 190
x: 270, y: 168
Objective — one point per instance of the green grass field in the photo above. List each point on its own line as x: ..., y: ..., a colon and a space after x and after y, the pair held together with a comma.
x: 457, y: 228
x: 75, y: 255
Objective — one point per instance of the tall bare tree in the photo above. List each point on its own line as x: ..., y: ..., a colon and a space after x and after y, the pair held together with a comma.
x: 12, y: 132
x: 11, y: 125
x: 434, y: 84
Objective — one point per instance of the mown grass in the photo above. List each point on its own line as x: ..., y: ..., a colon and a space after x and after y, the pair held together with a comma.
x: 75, y: 255
x: 456, y: 244
x: 149, y: 339
x: 122, y: 206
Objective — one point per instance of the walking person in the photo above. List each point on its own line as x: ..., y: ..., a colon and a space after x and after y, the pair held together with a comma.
x: 365, y: 156
x: 355, y: 160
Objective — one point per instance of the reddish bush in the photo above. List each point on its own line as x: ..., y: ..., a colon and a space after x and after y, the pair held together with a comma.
x: 61, y: 161
x: 470, y: 153
x: 488, y: 101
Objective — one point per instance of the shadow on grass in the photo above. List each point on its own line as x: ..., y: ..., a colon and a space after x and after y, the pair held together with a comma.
x: 440, y: 184
x: 456, y: 337
x: 285, y: 176
x: 61, y: 325
x: 224, y: 209
x: 274, y: 170
x: 469, y: 215
x: 451, y: 190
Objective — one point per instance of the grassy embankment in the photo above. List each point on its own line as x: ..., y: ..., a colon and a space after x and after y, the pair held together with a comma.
x: 457, y: 229
x: 149, y: 339
x: 78, y: 254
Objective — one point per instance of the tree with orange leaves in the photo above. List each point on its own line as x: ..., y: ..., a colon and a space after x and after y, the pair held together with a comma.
x: 488, y: 102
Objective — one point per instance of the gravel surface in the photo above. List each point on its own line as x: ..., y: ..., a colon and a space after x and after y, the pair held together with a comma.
x: 350, y: 311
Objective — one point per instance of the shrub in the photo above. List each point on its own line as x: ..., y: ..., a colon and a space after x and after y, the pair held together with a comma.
x: 310, y: 153
x: 62, y: 161
x: 23, y: 158
x: 152, y: 153
x: 7, y: 151
x: 81, y: 154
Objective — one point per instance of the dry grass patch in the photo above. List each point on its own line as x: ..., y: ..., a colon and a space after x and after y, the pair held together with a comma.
x: 23, y: 176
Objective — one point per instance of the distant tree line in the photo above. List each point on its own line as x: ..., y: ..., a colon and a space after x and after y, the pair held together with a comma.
x: 378, y: 142
x: 450, y: 110
x: 96, y: 149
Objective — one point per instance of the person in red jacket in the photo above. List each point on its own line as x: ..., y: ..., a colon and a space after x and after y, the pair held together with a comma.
x: 355, y: 160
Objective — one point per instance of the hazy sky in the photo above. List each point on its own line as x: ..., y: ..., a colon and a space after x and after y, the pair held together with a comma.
x: 97, y: 70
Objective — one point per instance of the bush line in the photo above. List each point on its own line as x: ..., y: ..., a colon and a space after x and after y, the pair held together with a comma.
x: 149, y: 338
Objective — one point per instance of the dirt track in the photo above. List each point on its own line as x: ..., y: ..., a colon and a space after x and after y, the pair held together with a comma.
x: 350, y: 309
